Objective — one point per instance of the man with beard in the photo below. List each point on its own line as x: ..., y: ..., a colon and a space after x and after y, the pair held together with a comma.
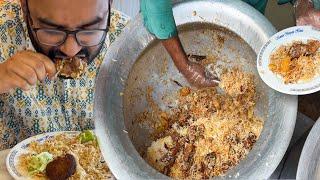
x: 34, y: 36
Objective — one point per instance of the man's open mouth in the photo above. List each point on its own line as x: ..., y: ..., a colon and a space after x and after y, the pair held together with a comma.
x: 71, y: 68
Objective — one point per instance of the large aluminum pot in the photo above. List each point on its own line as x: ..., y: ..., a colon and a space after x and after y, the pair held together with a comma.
x: 231, y: 30
x: 309, y: 162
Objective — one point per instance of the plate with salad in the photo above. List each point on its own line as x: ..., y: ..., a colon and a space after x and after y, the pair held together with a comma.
x: 58, y: 155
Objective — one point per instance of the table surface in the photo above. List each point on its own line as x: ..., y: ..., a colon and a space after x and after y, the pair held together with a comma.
x: 4, y: 174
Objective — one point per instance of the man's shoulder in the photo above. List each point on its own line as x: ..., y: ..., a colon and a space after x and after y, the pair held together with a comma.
x: 118, y: 21
x: 10, y: 3
x: 10, y: 9
x: 10, y: 14
x: 12, y: 29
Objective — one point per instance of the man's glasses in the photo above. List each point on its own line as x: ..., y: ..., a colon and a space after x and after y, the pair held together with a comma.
x: 56, y: 37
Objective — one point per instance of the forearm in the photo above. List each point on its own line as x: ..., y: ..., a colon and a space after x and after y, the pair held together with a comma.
x: 177, y: 53
x: 158, y: 19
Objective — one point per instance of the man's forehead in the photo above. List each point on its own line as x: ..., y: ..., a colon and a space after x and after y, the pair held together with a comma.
x: 69, y: 12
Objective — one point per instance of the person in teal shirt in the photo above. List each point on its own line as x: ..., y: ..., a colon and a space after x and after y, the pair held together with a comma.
x: 158, y: 19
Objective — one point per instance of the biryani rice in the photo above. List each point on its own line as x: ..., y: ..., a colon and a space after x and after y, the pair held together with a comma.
x: 296, y: 62
x: 209, y: 132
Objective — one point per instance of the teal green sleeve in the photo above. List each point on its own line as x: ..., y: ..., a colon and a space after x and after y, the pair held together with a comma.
x: 285, y: 1
x: 260, y: 5
x: 316, y: 4
x: 158, y: 18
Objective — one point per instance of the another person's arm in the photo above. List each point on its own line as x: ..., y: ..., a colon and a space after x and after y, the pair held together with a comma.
x: 307, y: 12
x: 158, y: 19
x: 193, y: 72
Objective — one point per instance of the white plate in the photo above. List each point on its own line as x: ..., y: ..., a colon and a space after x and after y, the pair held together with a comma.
x: 22, y: 148
x: 287, y: 36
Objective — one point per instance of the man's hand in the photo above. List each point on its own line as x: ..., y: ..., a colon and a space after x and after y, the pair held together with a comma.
x: 193, y: 72
x: 306, y: 14
x: 24, y: 69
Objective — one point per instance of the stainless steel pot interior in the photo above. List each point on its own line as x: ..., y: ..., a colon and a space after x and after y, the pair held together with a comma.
x: 231, y: 31
x: 154, y: 68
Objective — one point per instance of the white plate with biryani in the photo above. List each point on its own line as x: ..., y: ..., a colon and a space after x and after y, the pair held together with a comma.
x: 58, y: 155
x: 290, y: 61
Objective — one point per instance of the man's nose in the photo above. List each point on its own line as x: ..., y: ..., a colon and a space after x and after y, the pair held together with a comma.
x: 70, y: 47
